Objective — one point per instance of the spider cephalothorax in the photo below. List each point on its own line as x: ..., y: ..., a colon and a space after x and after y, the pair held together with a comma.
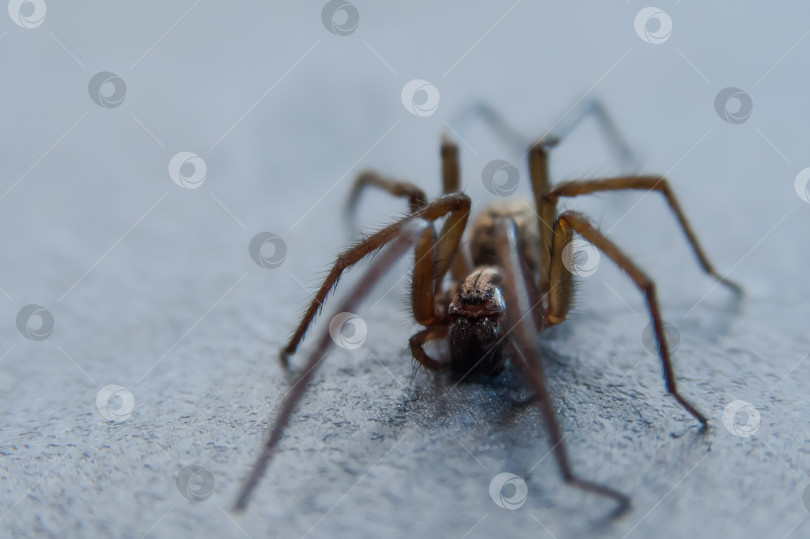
x: 519, y: 254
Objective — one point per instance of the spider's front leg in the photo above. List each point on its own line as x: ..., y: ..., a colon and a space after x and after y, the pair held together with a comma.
x: 404, y: 236
x: 529, y: 360
x: 433, y: 258
x: 560, y: 298
x: 456, y: 207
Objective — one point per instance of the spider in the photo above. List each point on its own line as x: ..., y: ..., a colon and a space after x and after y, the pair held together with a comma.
x: 514, y: 282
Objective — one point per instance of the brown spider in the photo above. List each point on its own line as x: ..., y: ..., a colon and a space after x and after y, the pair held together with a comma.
x: 518, y: 267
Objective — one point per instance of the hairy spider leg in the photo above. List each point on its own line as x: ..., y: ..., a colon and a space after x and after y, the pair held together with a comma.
x: 405, y: 235
x: 570, y: 222
x: 529, y: 363
x: 455, y: 207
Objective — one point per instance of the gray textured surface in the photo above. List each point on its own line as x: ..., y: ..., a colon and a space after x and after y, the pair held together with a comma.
x: 152, y: 288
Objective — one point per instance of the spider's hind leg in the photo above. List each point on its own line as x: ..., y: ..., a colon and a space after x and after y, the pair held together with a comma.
x: 581, y: 110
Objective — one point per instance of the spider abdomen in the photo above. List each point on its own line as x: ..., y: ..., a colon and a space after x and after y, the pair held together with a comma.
x: 483, y: 241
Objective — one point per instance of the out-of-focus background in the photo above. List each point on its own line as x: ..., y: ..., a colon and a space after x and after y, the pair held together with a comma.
x: 173, y: 176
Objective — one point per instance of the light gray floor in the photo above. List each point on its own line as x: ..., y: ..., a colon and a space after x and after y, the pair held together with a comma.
x: 151, y: 286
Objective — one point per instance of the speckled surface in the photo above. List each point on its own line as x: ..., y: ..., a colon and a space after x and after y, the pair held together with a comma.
x: 152, y: 287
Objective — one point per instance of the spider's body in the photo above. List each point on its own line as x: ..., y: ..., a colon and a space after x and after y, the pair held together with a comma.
x: 516, y: 249
x: 477, y: 305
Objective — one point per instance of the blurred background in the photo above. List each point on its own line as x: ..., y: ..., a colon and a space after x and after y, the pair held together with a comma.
x: 172, y: 188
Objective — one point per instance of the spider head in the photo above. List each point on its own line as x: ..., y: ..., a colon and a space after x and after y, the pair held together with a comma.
x: 475, y: 324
